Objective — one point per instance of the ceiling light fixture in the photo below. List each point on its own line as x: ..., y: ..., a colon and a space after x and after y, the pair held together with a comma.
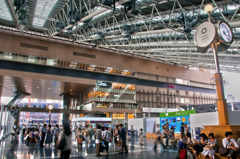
x: 208, y: 8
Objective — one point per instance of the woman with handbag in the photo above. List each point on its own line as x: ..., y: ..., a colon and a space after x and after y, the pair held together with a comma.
x: 211, y: 147
x: 65, y: 142
x: 198, y: 148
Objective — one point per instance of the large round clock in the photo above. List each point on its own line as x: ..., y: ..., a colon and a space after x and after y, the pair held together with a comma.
x: 225, y: 32
x: 204, y: 36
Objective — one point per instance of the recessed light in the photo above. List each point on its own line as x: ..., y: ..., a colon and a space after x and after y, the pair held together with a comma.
x: 37, y: 87
x: 70, y: 90
x: 49, y: 88
x: 60, y: 89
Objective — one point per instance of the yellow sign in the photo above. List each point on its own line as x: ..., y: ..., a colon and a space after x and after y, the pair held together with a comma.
x: 183, y: 119
x: 118, y: 116
x: 121, y: 116
x: 130, y: 116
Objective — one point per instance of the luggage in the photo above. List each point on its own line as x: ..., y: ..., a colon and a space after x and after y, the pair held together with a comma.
x: 182, y: 154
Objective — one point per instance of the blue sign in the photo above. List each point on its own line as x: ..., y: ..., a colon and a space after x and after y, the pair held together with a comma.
x: 175, y: 121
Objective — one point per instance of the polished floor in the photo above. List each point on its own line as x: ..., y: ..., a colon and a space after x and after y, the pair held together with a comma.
x: 17, y: 149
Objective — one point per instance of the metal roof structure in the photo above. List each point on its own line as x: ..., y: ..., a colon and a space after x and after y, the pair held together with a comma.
x: 158, y: 30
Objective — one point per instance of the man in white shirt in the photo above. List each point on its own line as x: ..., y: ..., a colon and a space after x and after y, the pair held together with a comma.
x: 231, y: 145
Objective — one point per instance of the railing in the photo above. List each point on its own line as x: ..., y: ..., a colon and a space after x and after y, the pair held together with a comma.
x: 115, y: 91
x: 63, y: 64
x: 7, y: 122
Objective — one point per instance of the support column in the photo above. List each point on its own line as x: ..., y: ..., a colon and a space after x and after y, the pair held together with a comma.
x: 66, y: 105
x: 224, y: 125
x: 221, y: 101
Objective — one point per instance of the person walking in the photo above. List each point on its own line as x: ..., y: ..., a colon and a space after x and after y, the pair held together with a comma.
x: 141, y: 136
x: 123, y: 139
x: 182, y: 131
x: 166, y: 134
x: 67, y: 134
x: 86, y: 136
x: 48, y: 139
x: 186, y: 129
x: 56, y: 134
x: 98, y: 139
x: 116, y: 138
x: 43, y: 134
x: 132, y: 131
x: 106, y: 138
x: 90, y: 134
x: 79, y: 138
x: 158, y: 139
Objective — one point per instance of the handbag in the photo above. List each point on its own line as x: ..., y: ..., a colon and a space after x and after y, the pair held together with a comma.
x: 182, y: 154
x: 222, y: 151
x: 62, y: 143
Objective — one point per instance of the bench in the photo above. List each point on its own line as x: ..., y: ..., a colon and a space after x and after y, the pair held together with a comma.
x: 217, y: 156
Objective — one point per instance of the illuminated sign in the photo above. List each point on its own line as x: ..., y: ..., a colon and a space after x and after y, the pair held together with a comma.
x: 170, y: 86
x: 103, y: 84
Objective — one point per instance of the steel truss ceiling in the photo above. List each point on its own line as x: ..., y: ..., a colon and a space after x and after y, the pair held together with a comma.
x: 157, y: 30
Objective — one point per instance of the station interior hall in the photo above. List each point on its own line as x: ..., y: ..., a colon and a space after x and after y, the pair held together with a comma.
x: 119, y: 79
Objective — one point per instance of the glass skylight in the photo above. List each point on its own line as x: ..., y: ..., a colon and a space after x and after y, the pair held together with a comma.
x: 42, y: 11
x: 4, y: 11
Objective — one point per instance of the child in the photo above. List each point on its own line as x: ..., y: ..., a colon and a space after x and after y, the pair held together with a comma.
x: 141, y: 136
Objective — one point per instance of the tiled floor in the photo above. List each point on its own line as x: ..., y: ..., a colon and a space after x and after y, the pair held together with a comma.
x: 17, y: 149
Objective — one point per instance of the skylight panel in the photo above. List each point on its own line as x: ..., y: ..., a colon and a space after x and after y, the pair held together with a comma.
x: 4, y: 11
x: 42, y: 11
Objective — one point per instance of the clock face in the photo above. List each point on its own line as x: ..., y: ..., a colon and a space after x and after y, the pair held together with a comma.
x: 225, y: 32
x: 50, y: 107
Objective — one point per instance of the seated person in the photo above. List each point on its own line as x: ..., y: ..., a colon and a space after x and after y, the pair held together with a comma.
x: 231, y: 145
x: 196, y: 146
x: 238, y: 142
x: 211, y: 147
x: 191, y: 142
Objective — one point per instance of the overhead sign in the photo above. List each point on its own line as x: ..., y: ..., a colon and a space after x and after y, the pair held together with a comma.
x: 92, y: 119
x: 103, y: 84
x: 158, y: 110
x: 180, y: 113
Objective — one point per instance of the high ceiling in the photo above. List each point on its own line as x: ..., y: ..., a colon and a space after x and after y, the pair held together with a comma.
x: 159, y: 30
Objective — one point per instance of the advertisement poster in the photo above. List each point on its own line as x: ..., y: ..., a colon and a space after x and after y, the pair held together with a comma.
x: 175, y: 119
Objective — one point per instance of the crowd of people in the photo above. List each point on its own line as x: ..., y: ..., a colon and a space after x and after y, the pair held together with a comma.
x: 100, y: 136
x: 207, y: 146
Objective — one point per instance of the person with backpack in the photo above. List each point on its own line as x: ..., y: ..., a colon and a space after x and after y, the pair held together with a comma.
x: 65, y: 142
x: 106, y: 138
